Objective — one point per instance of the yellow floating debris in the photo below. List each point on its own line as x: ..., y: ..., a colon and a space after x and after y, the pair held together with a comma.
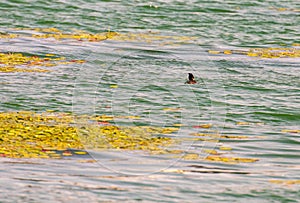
x: 113, y: 86
x: 10, y: 61
x: 128, y: 117
x: 175, y: 151
x: 87, y: 161
x: 191, y: 156
x: 80, y: 152
x: 230, y: 159
x: 178, y: 124
x: 216, y: 136
x: 11, y: 69
x: 8, y: 36
x: 50, y: 152
x: 148, y: 37
x: 290, y: 131
x: 172, y: 109
x: 49, y: 54
x: 285, y: 182
x: 248, y: 123
x: 214, y: 52
x: 55, y: 156
x: 210, y: 151
x: 281, y: 9
x: 225, y: 148
x: 234, y: 137
x: 272, y: 52
x: 206, y: 135
x: 227, y: 52
x: 207, y: 125
x: 67, y: 153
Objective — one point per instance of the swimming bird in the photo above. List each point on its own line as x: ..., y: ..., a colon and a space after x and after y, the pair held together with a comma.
x: 191, y: 79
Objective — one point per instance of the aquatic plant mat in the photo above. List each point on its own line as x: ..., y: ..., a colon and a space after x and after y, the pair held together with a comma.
x: 52, y: 135
x: 57, y: 135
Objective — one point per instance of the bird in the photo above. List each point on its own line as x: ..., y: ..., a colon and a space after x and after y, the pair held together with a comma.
x: 191, y: 79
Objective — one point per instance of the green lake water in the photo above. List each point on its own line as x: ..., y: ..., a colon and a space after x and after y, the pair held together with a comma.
x: 238, y: 94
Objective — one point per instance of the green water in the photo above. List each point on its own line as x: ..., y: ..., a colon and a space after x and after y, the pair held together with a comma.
x: 150, y: 76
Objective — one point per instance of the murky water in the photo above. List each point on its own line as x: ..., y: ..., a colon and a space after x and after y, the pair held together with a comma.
x: 255, y: 99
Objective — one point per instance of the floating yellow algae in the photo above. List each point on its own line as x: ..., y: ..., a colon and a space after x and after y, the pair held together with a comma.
x: 217, y: 158
x: 212, y: 135
x: 230, y: 159
x: 272, y: 52
x: 290, y: 131
x: 242, y: 123
x: 11, y: 69
x: 49, y: 54
x: 56, y: 134
x: 172, y: 109
x: 80, y: 152
x: 225, y: 148
x: 87, y: 161
x: 51, y: 29
x: 148, y: 37
x: 128, y: 138
x: 227, y: 52
x: 102, y: 118
x: 218, y: 136
x: 285, y: 182
x: 175, y: 151
x: 67, y: 153
x: 77, y: 61
x: 234, y: 137
x: 214, y: 52
x: 248, y: 123
x: 281, y: 9
x: 168, y: 130
x: 113, y: 86
x: 55, y: 156
x: 208, y: 125
x: 210, y: 151
x: 191, y: 156
x: 45, y: 135
x: 8, y: 36
x: 128, y: 117
x: 9, y: 61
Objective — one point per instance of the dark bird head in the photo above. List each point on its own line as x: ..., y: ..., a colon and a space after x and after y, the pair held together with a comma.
x: 191, y: 79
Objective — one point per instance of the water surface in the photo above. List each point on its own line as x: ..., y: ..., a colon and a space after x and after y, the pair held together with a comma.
x: 261, y: 92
